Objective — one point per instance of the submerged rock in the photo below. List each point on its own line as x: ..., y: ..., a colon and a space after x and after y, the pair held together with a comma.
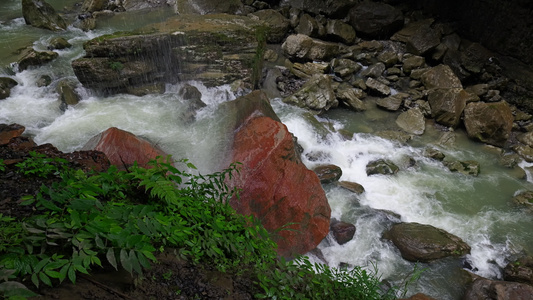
x: 32, y: 57
x: 381, y: 166
x: 6, y: 84
x: 67, y: 93
x: 524, y: 198
x: 40, y: 14
x: 58, y: 43
x: 425, y: 243
x: 328, y: 173
x: 343, y: 232
x: 352, y: 186
x: 468, y: 167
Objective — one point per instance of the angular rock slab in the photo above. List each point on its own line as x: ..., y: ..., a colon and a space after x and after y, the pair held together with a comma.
x: 425, y: 243
x: 489, y: 123
x: 483, y: 288
x: 412, y: 121
x: 277, y: 188
x: 303, y: 48
x: 40, y: 14
x: 123, y: 148
x: 447, y: 105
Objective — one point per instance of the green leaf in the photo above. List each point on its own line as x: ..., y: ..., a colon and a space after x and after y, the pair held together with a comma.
x: 53, y: 274
x: 12, y: 289
x: 40, y: 265
x: 110, y: 255
x: 125, y: 261
x: 35, y: 279
x: 63, y: 273
x: 45, y: 279
x: 72, y: 274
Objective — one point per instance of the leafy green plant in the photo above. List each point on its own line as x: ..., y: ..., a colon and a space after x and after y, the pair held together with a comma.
x: 116, y: 66
x: 40, y: 165
x: 2, y: 165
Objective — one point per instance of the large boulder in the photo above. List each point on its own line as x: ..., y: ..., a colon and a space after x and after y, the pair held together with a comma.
x: 32, y: 57
x: 441, y: 77
x: 425, y: 243
x: 316, y: 94
x: 40, y: 14
x: 277, y: 24
x: 123, y: 148
x: 301, y: 47
x: 489, y: 123
x: 419, y: 37
x: 214, y: 49
x: 6, y: 84
x: 276, y: 186
x: 202, y: 7
x: 447, y: 105
x: 330, y: 8
x: 482, y: 288
x: 520, y: 270
x: 374, y: 20
x: 412, y: 121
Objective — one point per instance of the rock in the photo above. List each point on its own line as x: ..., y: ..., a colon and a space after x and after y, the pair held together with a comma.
x: 308, y: 26
x: 330, y: 8
x: 520, y: 270
x: 123, y: 148
x: 434, y: 153
x: 526, y: 138
x: 305, y: 71
x: 277, y: 24
x: 489, y: 123
x: 344, y: 67
x: 390, y: 58
x: 524, y: 198
x: 214, y: 49
x: 352, y: 186
x: 425, y: 243
x: 44, y: 80
x: 316, y: 94
x: 524, y: 151
x: 374, y: 20
x: 440, y: 77
x: 6, y: 84
x: 342, y: 232
x: 276, y: 186
x: 40, y: 14
x: 301, y: 47
x: 381, y: 166
x: 391, y: 103
x: 205, y: 7
x: 94, y: 5
x: 58, y: 43
x: 377, y: 87
x: 419, y: 296
x: 143, y: 89
x: 338, y: 31
x: 7, y: 132
x: 412, y: 121
x: 419, y: 37
x: 67, y: 93
x: 483, y: 288
x: 447, y: 105
x: 328, y: 173
x: 468, y: 167
x: 35, y: 58
x: 350, y: 97
x: 375, y: 70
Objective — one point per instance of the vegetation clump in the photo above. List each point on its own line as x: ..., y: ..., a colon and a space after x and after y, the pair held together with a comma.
x: 124, y: 219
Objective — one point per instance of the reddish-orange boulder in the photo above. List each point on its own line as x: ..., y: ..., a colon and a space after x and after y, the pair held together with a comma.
x: 277, y: 188
x: 123, y: 148
x: 7, y: 132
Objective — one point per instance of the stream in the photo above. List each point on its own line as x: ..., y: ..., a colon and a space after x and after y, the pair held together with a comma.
x: 477, y: 209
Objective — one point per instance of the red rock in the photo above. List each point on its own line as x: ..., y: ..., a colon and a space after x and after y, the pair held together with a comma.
x: 277, y: 188
x: 7, y: 132
x: 123, y: 148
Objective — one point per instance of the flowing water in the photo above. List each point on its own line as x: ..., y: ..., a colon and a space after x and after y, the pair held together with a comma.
x: 477, y: 209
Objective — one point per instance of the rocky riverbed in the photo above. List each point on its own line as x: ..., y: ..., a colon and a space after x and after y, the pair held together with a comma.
x: 402, y: 57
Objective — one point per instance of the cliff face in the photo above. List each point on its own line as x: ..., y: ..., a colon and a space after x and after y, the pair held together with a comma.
x: 500, y: 25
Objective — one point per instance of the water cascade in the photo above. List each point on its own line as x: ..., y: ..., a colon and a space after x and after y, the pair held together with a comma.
x: 477, y: 209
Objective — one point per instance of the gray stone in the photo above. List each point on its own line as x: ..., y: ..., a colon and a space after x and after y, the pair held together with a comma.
x: 412, y: 121
x: 302, y: 47
x: 392, y: 135
x: 391, y: 103
x: 520, y: 270
x: 351, y: 97
x: 32, y: 57
x: 381, y: 166
x: 6, y: 84
x: 202, y: 7
x: 316, y: 94
x: 419, y: 37
x: 375, y: 70
x: 489, y: 123
x: 338, y: 31
x: 328, y: 173
x: 434, y: 153
x: 447, y: 105
x: 308, y: 69
x: 58, y: 43
x: 425, y: 243
x: 440, y: 77
x: 352, y: 186
x: 468, y: 167
x: 389, y: 58
x: 277, y: 24
x: 413, y: 62
x: 308, y: 26
x: 344, y: 67
x: 40, y: 14
x: 376, y: 20
x: 377, y: 87
x: 524, y: 151
x: 526, y: 138
x: 67, y: 93
x: 331, y: 8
